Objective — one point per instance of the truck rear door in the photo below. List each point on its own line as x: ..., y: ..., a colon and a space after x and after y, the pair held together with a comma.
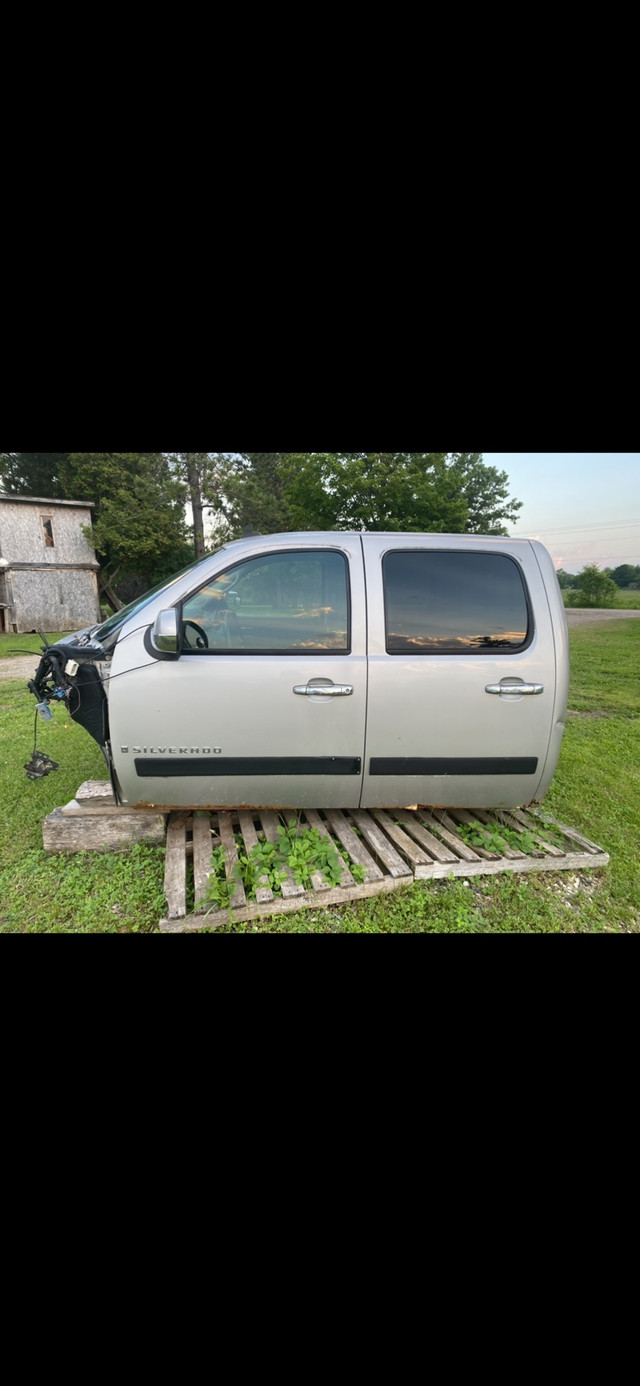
x: 461, y: 671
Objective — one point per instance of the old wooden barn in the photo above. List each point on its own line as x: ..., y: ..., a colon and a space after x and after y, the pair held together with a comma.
x: 48, y: 568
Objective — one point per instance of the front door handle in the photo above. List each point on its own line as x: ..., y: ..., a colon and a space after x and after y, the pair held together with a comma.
x: 323, y: 690
x: 514, y: 689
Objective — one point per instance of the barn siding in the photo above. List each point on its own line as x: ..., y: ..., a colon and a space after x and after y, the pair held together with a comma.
x: 63, y: 601
x: 47, y: 588
x: 22, y: 538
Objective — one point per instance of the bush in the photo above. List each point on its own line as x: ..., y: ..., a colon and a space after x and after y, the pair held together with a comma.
x: 594, y: 588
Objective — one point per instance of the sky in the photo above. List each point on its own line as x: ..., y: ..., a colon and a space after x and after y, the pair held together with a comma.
x: 584, y: 506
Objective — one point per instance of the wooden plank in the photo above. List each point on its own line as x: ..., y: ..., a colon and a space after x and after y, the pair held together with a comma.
x: 447, y: 831
x: 95, y: 792
x: 515, y: 818
x: 237, y: 899
x: 202, y: 848
x: 264, y: 892
x: 269, y: 822
x: 314, y: 821
x: 374, y: 835
x: 489, y: 820
x: 175, y: 866
x: 336, y: 895
x: 463, y: 816
x: 101, y: 832
x: 573, y: 836
x: 319, y: 882
x: 424, y: 837
x: 355, y: 847
x: 410, y: 849
x: 75, y: 810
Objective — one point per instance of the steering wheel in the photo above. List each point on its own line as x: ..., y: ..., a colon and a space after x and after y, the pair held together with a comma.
x: 201, y: 636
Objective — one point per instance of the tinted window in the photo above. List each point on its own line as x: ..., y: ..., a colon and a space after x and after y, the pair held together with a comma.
x: 279, y: 603
x: 453, y: 603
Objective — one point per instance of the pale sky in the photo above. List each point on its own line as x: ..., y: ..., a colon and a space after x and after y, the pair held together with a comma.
x: 584, y: 506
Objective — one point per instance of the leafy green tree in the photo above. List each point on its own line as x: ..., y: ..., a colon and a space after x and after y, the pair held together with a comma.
x: 256, y: 494
x: 139, y: 524
x: 594, y: 588
x: 626, y: 574
x: 32, y: 474
x: 486, y: 492
x: 414, y: 491
x: 565, y: 579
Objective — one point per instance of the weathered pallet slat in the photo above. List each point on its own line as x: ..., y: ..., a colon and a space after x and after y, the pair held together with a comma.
x: 519, y: 818
x: 402, y: 846
x: 269, y: 821
x: 175, y: 866
x: 264, y: 892
x: 573, y: 836
x: 202, y: 849
x: 314, y: 821
x: 462, y: 816
x: 356, y: 849
x: 381, y: 845
x: 238, y: 898
x: 447, y: 831
x: 435, y: 849
x: 414, y: 854
x: 511, y: 853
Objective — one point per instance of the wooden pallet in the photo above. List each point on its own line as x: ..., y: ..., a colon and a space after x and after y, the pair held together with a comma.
x: 395, y: 847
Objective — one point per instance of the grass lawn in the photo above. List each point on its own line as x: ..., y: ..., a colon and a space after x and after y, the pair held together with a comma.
x: 12, y: 646
x: 596, y: 788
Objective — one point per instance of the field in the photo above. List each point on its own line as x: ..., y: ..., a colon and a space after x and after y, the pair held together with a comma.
x: 622, y: 600
x: 596, y: 789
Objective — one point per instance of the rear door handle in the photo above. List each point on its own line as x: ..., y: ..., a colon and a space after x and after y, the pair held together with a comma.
x: 323, y: 690
x: 514, y: 689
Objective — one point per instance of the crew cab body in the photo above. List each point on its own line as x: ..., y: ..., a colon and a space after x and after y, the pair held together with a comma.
x: 340, y: 670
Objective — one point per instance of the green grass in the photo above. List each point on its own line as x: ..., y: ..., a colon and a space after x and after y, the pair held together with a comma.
x: 596, y: 788
x: 12, y: 646
x: 605, y: 668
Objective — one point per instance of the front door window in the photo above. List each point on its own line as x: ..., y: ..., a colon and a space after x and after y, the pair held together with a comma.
x: 289, y: 603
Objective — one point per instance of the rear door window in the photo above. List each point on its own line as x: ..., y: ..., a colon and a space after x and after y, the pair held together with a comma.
x: 450, y: 602
x: 282, y: 603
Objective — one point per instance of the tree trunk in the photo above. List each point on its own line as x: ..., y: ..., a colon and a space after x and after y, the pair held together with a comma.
x: 195, y: 493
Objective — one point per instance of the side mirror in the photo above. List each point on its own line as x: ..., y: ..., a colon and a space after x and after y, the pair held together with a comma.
x: 164, y: 633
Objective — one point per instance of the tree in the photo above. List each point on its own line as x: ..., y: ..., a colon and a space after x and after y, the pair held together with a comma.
x: 256, y: 494
x: 486, y: 492
x: 565, y: 579
x: 139, y: 525
x: 625, y: 575
x: 421, y: 491
x: 32, y: 474
x: 594, y: 588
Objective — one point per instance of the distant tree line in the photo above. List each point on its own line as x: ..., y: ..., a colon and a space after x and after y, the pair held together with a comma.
x: 140, y: 528
x: 596, y: 586
x: 625, y: 576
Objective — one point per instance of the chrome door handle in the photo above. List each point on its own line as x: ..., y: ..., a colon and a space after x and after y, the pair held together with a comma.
x: 324, y: 690
x: 515, y: 689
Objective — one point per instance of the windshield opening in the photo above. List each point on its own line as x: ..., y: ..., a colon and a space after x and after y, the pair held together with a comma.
x: 104, y: 631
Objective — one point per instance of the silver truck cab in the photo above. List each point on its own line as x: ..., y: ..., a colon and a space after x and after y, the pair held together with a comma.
x: 338, y: 670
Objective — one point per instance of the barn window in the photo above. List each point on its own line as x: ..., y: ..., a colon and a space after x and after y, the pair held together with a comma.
x: 47, y: 529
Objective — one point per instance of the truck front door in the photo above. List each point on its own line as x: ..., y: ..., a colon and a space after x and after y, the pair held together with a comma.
x: 266, y: 704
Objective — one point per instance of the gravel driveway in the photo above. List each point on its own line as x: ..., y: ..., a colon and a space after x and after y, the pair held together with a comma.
x: 22, y: 668
x: 585, y: 615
